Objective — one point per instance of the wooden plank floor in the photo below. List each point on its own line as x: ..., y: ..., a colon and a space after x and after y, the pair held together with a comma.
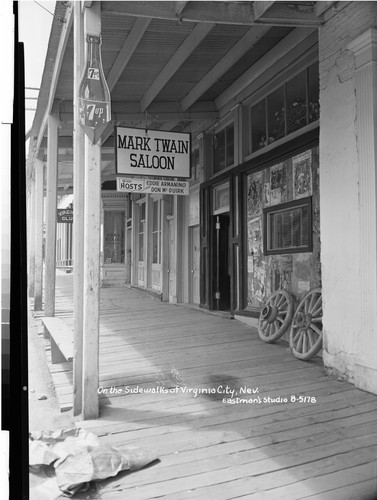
x: 160, y: 356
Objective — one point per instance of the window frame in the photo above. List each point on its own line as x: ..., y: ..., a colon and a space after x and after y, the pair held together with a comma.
x: 225, y: 130
x: 285, y: 207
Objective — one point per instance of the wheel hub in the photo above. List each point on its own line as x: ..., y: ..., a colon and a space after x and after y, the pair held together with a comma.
x: 303, y: 320
x: 269, y: 313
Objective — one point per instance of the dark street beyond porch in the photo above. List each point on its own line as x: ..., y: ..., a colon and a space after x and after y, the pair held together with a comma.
x: 170, y: 377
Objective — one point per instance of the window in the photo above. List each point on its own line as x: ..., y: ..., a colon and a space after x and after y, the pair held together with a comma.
x: 195, y: 164
x: 114, y: 222
x: 285, y: 110
x: 223, y: 155
x: 156, y: 233
x: 221, y: 198
x: 288, y: 227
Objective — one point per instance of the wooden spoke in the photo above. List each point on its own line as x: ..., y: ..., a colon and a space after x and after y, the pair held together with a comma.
x: 305, y: 336
x: 310, y: 337
x: 317, y: 320
x: 277, y: 314
x: 317, y: 302
x: 316, y: 329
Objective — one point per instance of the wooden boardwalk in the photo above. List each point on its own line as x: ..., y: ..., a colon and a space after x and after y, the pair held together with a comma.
x: 158, y: 355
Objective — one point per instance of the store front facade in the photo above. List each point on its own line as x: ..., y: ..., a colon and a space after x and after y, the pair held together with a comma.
x: 260, y: 225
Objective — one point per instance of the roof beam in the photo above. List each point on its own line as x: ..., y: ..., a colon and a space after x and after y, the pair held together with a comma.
x: 66, y: 29
x: 66, y: 107
x: 179, y: 8
x: 243, y: 13
x: 244, y: 44
x: 260, y: 8
x: 126, y: 52
x: 205, y: 12
x: 323, y: 6
x: 285, y: 14
x: 196, y: 36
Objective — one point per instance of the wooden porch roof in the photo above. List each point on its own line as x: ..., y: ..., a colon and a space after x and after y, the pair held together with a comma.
x: 179, y: 65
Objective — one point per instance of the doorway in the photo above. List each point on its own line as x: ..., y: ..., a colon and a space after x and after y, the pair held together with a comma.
x: 194, y: 269
x: 171, y: 262
x: 221, y: 261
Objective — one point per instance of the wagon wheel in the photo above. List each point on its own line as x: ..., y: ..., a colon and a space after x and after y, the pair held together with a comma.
x: 305, y: 337
x: 275, y: 316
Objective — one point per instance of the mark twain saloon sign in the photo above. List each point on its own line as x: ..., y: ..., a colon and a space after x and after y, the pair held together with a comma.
x: 152, y: 152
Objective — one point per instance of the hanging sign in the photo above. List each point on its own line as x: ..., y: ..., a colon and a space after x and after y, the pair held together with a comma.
x: 152, y: 153
x: 64, y: 215
x: 152, y: 186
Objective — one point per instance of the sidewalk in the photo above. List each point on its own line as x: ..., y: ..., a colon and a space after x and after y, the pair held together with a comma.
x: 207, y: 396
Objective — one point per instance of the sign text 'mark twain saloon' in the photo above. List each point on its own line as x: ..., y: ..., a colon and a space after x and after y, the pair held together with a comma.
x: 152, y: 152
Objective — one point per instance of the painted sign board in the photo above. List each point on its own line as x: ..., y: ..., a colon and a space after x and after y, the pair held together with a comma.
x: 154, y: 153
x: 64, y: 215
x: 152, y: 186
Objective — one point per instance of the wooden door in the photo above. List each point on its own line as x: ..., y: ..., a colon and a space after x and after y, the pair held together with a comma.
x: 194, y: 270
x: 171, y: 263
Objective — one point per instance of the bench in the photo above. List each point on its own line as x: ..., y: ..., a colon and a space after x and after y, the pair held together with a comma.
x: 61, y: 336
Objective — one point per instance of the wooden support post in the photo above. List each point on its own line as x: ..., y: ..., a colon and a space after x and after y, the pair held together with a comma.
x: 91, y: 275
x: 52, y: 181
x: 38, y: 234
x: 31, y: 235
x: 78, y: 213
x: 92, y: 218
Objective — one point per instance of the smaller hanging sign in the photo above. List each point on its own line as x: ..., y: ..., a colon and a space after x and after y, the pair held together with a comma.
x: 64, y: 215
x: 94, y: 95
x: 152, y: 186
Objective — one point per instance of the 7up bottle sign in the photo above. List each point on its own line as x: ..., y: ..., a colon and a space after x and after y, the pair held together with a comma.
x: 94, y: 95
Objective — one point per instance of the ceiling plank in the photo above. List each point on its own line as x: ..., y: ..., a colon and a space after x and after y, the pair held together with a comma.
x: 126, y: 52
x: 196, y: 36
x: 288, y: 43
x: 241, y: 47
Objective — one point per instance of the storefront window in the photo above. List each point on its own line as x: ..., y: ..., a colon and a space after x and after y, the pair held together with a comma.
x: 258, y: 125
x: 223, y: 149
x: 296, y: 103
x: 114, y: 222
x: 195, y: 164
x: 289, y: 108
x: 288, y: 228
x: 313, y: 93
x: 276, y: 115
